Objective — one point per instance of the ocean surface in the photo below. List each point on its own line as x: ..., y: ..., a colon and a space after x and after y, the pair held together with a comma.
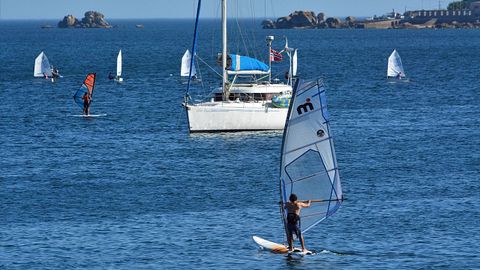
x: 132, y: 189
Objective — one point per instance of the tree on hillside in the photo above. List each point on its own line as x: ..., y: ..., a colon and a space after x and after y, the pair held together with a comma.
x: 464, y: 4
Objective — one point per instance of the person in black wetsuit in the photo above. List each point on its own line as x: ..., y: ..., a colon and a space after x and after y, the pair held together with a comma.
x: 293, y: 208
x: 87, y: 99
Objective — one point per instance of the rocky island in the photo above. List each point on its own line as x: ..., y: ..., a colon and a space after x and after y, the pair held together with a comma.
x: 92, y: 19
x: 461, y: 14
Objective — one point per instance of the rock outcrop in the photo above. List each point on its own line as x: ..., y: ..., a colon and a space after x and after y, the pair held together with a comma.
x: 308, y: 20
x: 297, y: 19
x: 92, y: 19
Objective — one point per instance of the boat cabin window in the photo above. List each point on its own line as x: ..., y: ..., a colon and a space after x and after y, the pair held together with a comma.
x: 255, y: 97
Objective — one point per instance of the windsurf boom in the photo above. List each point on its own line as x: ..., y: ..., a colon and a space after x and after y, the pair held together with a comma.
x: 87, y: 87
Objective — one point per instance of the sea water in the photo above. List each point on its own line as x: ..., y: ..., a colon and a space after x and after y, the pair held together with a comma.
x: 133, y: 190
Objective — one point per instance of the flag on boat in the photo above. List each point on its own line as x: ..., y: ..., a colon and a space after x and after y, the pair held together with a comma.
x: 87, y: 87
x: 275, y: 56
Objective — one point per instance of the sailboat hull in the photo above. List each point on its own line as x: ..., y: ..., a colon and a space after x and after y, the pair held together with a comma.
x: 235, y: 116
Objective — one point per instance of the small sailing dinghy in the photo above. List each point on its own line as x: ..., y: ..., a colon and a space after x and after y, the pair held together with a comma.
x: 83, y: 97
x: 395, y: 67
x: 119, y: 78
x: 308, y: 163
x: 42, y: 68
x: 185, y: 69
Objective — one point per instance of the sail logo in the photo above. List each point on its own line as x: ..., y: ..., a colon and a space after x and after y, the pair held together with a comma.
x: 305, y: 107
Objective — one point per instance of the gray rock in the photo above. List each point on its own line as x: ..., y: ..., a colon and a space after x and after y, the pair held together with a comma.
x: 68, y: 21
x: 297, y: 19
x: 350, y: 19
x: 303, y: 19
x: 268, y: 24
x: 333, y: 22
x: 321, y: 17
x: 92, y: 19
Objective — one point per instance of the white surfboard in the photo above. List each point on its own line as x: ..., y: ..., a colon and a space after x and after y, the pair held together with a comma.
x: 270, y: 246
x: 90, y: 115
x: 279, y: 248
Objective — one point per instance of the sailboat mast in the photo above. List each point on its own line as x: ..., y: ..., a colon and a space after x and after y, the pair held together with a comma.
x: 224, y: 50
x: 269, y: 40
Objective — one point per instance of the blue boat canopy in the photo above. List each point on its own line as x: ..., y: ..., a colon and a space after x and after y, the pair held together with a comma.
x: 245, y: 64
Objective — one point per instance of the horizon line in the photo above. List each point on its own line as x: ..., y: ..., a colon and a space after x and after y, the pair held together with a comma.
x: 168, y: 18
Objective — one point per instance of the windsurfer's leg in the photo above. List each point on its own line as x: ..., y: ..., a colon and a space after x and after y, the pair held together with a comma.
x: 302, y: 242
x: 290, y: 240
x: 299, y: 234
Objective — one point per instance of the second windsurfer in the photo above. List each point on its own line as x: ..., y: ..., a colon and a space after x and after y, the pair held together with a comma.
x: 86, y: 103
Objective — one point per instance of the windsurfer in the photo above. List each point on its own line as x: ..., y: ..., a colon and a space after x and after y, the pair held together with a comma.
x: 293, y: 208
x: 86, y: 103
x: 110, y: 76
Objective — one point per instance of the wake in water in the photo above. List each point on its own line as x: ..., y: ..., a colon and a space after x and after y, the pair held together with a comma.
x: 90, y: 115
x: 395, y: 81
x: 333, y: 252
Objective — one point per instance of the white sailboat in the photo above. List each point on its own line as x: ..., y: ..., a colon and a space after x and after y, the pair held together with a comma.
x: 185, y: 68
x: 308, y: 163
x: 294, y: 63
x: 119, y: 78
x: 42, y: 68
x: 239, y: 104
x: 395, y: 66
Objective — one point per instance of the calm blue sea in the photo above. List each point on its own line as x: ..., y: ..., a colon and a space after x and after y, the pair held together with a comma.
x: 133, y: 190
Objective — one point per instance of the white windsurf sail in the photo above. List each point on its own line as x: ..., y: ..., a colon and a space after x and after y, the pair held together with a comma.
x: 294, y: 63
x: 186, y: 60
x: 395, y: 67
x: 308, y: 164
x: 42, y: 66
x: 119, y: 64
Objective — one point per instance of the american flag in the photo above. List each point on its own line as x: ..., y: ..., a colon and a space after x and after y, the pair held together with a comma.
x: 275, y: 56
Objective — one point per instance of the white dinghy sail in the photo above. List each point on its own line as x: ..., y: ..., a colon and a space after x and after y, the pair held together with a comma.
x: 119, y: 64
x: 42, y: 66
x: 119, y: 78
x: 294, y: 63
x: 395, y: 67
x: 185, y: 69
x: 308, y: 163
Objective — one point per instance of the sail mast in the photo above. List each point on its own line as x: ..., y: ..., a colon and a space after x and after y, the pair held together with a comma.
x: 194, y: 51
x: 224, y: 50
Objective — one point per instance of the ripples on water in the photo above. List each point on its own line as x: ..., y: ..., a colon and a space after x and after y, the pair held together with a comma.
x: 134, y: 190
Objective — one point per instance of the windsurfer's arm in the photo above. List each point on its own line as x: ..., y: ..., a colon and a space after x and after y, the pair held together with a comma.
x: 306, y: 203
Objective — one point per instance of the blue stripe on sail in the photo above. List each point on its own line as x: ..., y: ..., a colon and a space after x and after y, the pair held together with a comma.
x: 240, y: 63
x: 78, y: 97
